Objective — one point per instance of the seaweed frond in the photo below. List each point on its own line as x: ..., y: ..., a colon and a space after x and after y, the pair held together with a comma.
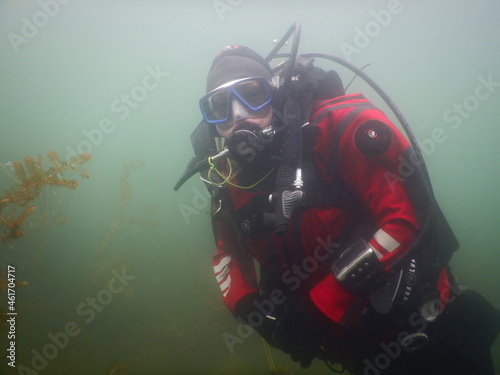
x: 32, y: 177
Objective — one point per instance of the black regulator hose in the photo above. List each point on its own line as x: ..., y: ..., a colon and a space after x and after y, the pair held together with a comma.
x: 292, y: 56
x: 196, y: 166
x: 434, y: 210
x: 291, y: 134
x: 291, y: 143
x: 411, y: 137
x: 294, y: 29
x: 449, y: 242
x: 290, y: 146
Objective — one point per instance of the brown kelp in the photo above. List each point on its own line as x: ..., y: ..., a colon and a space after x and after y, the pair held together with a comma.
x: 17, y: 203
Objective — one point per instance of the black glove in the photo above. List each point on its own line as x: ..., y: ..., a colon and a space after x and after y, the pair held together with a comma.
x: 259, y: 312
x: 300, y: 331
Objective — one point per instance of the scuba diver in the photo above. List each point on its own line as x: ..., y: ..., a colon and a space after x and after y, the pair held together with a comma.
x: 330, y: 243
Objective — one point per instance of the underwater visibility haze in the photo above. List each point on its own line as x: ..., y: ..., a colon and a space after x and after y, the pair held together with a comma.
x: 111, y: 268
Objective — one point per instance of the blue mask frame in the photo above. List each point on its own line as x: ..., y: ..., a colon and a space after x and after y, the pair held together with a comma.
x: 254, y: 93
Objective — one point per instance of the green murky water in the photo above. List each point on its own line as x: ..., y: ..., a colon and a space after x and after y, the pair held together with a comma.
x: 118, y: 271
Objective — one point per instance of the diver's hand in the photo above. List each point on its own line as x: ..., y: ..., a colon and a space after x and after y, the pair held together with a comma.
x: 259, y: 312
x: 299, y: 332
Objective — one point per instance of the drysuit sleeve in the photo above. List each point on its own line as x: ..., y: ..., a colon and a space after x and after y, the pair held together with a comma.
x: 234, y: 270
x: 374, y: 161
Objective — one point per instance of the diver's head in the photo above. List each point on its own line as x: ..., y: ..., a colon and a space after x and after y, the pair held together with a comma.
x: 239, y: 92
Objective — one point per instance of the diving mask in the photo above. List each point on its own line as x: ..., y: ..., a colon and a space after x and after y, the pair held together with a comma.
x: 253, y: 93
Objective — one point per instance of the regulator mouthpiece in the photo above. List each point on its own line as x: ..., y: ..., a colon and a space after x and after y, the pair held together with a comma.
x: 247, y: 145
